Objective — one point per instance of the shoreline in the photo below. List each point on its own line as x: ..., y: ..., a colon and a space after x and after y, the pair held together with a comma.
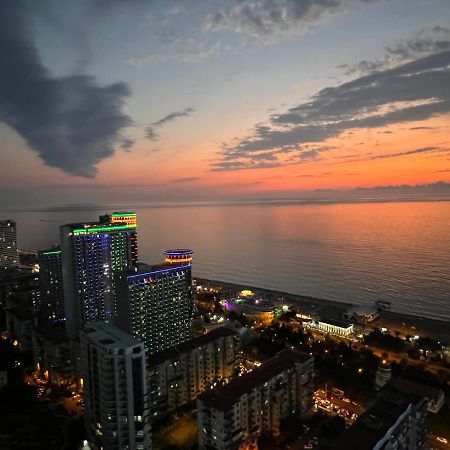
x: 406, y: 323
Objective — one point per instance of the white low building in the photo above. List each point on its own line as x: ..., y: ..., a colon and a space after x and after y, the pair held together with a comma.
x: 335, y: 327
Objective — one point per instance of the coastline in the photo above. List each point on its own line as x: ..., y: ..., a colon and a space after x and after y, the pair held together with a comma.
x: 393, y: 320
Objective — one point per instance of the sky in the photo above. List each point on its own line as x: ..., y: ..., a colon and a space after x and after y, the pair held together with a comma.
x: 217, y: 100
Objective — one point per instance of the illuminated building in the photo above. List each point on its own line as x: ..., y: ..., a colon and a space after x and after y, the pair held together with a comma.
x: 51, y: 285
x: 178, y: 256
x: 155, y: 303
x: 332, y: 326
x: 92, y: 254
x: 128, y: 218
x: 9, y: 257
x: 234, y: 415
x: 179, y: 374
x: 115, y: 389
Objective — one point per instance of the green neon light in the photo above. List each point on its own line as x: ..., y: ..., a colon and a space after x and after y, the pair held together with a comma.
x: 114, y: 214
x: 93, y: 230
x: 53, y: 252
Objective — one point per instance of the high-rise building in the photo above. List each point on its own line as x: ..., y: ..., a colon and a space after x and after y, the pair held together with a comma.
x: 9, y: 257
x: 92, y: 254
x: 115, y: 389
x: 234, y: 415
x: 155, y: 303
x: 51, y: 284
x: 179, y: 374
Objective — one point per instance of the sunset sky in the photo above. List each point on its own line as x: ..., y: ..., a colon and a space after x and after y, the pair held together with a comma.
x: 147, y: 100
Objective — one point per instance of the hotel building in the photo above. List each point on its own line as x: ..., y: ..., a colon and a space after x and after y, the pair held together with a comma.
x: 233, y: 416
x: 9, y: 257
x: 92, y: 254
x: 155, y: 303
x: 51, y: 284
x: 115, y: 389
x: 179, y: 374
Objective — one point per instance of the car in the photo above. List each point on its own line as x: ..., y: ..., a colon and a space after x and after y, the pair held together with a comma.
x: 442, y: 439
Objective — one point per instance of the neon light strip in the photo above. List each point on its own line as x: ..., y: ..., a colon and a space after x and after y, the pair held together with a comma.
x: 53, y: 252
x: 180, y: 252
x: 92, y: 230
x: 158, y: 271
x: 114, y: 214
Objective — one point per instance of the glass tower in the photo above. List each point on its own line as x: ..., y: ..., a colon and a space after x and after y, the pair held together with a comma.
x: 92, y: 254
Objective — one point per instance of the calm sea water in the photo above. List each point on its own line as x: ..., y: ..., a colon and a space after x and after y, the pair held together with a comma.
x: 358, y: 253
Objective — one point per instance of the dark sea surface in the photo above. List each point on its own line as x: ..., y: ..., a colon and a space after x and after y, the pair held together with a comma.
x: 357, y: 253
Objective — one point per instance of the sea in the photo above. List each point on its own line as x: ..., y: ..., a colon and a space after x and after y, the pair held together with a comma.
x: 346, y: 252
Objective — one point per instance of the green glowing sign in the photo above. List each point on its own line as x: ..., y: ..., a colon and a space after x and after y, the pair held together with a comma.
x: 93, y: 230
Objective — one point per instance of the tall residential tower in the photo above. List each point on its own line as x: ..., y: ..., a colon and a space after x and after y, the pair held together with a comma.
x: 51, y: 284
x: 115, y: 389
x: 92, y: 254
x: 9, y: 257
x: 155, y: 303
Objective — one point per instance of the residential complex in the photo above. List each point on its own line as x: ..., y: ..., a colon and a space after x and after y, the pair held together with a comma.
x: 233, y: 416
x: 92, y: 254
x: 155, y: 303
x: 179, y: 374
x: 9, y: 257
x: 51, y: 284
x: 115, y: 389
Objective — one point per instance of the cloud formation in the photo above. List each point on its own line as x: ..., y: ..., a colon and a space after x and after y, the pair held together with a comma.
x: 71, y: 122
x: 150, y: 132
x: 268, y: 19
x: 424, y: 42
x: 414, y: 91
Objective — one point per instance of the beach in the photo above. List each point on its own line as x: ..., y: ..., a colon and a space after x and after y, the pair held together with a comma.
x: 406, y: 324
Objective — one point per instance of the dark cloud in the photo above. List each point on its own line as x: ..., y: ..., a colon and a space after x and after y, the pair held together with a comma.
x: 414, y: 91
x: 267, y: 19
x: 150, y: 130
x: 185, y: 179
x: 151, y: 134
x: 71, y: 122
x: 424, y: 42
x: 127, y: 144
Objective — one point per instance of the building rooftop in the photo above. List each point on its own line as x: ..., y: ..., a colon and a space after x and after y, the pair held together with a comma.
x: 146, y: 269
x: 336, y: 322
x: 224, y: 397
x: 185, y: 347
x: 110, y: 336
x: 373, y: 425
x: 411, y: 387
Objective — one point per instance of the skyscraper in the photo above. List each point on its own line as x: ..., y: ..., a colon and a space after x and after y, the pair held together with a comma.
x: 115, y: 389
x: 155, y: 303
x: 9, y: 256
x: 51, y: 284
x: 92, y: 253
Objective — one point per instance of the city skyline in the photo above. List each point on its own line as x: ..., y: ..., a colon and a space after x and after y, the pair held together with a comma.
x: 221, y: 100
